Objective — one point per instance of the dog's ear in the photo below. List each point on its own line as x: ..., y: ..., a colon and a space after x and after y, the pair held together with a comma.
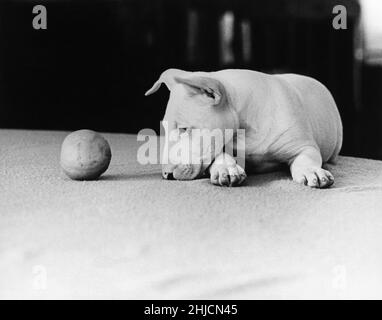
x: 212, y: 91
x: 168, y: 78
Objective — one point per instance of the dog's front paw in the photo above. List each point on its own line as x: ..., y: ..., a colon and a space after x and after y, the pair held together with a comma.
x: 313, y: 177
x: 227, y: 175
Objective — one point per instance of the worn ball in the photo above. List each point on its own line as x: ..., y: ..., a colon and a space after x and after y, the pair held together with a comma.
x: 85, y: 155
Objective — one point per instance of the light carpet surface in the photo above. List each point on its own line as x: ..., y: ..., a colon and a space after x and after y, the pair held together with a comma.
x: 133, y: 235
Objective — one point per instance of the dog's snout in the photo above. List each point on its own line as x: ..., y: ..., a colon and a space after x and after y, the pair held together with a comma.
x: 168, y: 176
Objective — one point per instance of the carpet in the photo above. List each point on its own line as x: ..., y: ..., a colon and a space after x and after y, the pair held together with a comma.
x: 133, y: 235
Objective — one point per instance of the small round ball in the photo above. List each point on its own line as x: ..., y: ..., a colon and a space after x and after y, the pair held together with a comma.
x: 85, y: 155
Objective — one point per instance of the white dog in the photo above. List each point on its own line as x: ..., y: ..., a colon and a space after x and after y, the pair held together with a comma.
x: 288, y: 119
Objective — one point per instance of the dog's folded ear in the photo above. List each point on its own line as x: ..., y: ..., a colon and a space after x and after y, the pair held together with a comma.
x: 211, y: 90
x: 168, y: 78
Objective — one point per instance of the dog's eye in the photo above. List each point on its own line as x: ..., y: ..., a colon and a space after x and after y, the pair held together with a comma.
x: 184, y: 130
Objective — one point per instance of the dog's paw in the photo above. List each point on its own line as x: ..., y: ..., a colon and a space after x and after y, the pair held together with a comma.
x: 314, y: 177
x: 227, y: 175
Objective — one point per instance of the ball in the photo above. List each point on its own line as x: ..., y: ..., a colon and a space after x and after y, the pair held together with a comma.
x: 85, y: 155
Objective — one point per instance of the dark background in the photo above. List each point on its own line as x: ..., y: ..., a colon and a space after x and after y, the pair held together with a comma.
x: 92, y: 65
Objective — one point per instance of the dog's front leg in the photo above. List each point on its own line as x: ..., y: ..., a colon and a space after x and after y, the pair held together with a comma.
x: 306, y: 169
x: 225, y: 171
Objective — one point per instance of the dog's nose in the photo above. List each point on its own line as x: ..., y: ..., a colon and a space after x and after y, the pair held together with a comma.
x: 168, y: 176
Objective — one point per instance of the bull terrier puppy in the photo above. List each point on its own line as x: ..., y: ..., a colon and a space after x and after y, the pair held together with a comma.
x: 288, y: 119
